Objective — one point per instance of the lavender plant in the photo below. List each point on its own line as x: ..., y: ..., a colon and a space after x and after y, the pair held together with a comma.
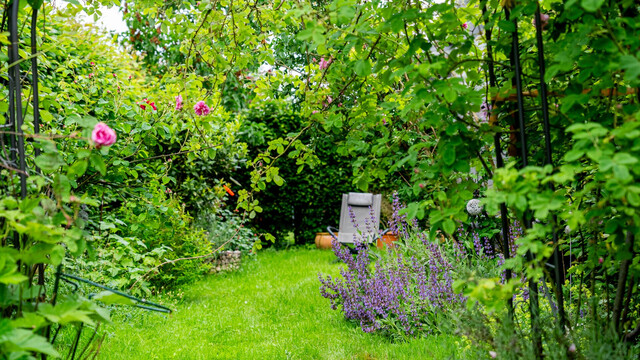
x: 400, y: 295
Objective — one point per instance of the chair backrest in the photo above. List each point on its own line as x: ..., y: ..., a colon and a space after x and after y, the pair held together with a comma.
x: 363, y: 221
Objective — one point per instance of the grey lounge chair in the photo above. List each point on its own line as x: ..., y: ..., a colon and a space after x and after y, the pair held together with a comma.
x: 364, y: 226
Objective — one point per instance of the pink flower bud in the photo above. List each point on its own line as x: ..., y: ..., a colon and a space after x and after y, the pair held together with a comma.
x: 421, y: 186
x: 179, y: 102
x: 572, y: 348
x: 493, y: 354
x: 600, y: 260
x: 103, y: 135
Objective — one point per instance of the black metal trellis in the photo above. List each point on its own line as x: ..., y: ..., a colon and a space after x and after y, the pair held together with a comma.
x: 519, y: 124
x: 13, y: 158
x: 557, y: 260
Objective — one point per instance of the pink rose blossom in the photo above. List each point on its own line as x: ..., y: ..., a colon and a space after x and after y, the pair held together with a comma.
x: 201, y: 108
x: 544, y: 18
x: 179, y: 102
x: 324, y: 63
x: 103, y: 135
x: 493, y: 354
x: 464, y: 26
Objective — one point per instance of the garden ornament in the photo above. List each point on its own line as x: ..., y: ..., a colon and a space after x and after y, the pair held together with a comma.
x: 474, y: 207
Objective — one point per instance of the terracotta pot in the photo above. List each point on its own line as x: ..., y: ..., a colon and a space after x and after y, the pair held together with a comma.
x: 387, y: 241
x: 323, y: 241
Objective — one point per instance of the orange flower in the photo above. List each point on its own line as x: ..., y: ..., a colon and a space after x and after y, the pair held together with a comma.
x: 226, y: 188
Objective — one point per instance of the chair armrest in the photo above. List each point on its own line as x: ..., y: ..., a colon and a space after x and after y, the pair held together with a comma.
x: 331, y: 229
x: 380, y: 234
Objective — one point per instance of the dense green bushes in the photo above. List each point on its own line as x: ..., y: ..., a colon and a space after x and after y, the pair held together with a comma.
x: 309, y: 199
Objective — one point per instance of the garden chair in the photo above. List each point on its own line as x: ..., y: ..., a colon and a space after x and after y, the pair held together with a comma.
x: 359, y: 219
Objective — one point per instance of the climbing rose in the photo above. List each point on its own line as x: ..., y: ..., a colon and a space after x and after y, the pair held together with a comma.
x: 179, y: 102
x: 103, y: 135
x: 201, y: 108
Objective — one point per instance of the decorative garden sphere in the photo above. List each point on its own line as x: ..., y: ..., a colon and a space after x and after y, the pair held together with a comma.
x: 474, y: 207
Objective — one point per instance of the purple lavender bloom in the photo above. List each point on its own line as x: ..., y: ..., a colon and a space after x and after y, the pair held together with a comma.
x: 397, y: 294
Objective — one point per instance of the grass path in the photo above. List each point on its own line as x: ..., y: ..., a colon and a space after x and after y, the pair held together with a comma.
x: 270, y: 309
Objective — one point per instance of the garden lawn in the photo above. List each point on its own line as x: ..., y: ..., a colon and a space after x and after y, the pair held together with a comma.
x: 270, y: 309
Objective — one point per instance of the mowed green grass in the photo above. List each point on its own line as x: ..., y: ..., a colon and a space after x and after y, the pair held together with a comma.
x: 270, y: 309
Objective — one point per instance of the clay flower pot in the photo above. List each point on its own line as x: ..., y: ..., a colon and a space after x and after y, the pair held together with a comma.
x: 323, y: 241
x: 386, y: 241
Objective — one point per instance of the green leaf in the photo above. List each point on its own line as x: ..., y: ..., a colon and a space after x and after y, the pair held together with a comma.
x: 98, y: 163
x: 26, y: 340
x: 573, y: 155
x: 506, y: 25
x: 362, y: 68
x: 449, y: 155
x: 49, y: 162
x: 278, y: 180
x: 108, y: 298
x: 591, y: 5
x: 449, y: 226
x: 77, y: 169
